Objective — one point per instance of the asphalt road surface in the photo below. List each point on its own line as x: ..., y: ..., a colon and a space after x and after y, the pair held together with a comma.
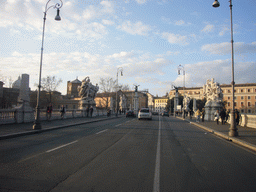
x: 125, y: 154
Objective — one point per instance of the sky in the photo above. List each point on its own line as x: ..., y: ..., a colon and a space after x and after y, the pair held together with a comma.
x: 148, y: 39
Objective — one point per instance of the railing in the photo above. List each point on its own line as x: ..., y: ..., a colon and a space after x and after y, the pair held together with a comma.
x: 246, y: 120
x: 9, y: 116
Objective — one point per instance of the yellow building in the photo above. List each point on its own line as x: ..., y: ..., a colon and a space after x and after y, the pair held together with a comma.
x: 160, y: 103
x: 104, y: 100
x: 245, y: 96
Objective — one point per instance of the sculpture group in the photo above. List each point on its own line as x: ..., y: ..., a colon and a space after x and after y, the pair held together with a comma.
x: 214, y: 98
x: 87, y: 91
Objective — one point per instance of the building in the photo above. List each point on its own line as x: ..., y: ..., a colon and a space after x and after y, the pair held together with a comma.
x: 160, y: 103
x: 108, y: 100
x: 72, y: 86
x: 245, y: 96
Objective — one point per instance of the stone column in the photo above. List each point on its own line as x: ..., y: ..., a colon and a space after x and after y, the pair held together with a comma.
x: 176, y: 102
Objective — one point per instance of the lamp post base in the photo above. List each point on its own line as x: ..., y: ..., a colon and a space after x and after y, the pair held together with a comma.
x: 37, y: 126
x: 233, y: 130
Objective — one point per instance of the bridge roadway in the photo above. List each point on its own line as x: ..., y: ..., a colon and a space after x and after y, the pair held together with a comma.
x: 125, y: 154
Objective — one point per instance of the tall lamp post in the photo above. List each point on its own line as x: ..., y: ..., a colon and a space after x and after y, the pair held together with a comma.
x: 119, y: 69
x: 232, y: 130
x: 180, y: 67
x: 37, y: 124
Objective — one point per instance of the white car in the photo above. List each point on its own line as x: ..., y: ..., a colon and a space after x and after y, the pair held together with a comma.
x: 145, y: 113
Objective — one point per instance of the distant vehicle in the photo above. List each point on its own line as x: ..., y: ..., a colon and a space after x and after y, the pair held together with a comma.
x: 165, y: 114
x: 130, y: 113
x: 154, y: 113
x: 145, y: 113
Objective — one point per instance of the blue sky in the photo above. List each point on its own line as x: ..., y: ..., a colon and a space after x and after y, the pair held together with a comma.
x: 149, y: 39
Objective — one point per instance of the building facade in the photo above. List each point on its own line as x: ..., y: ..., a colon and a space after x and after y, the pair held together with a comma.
x: 72, y: 86
x: 245, y: 96
x: 160, y: 104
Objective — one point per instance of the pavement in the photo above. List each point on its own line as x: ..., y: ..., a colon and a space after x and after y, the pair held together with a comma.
x: 8, y: 131
x: 246, y: 138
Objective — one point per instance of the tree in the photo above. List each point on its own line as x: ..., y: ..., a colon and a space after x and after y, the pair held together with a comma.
x: 170, y: 105
x: 108, y: 85
x: 200, y: 103
x: 50, y: 84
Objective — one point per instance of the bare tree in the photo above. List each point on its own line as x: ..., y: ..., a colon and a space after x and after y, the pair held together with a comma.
x: 50, y: 84
x: 108, y: 85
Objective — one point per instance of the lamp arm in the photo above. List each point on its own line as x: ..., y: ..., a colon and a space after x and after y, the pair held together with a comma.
x: 56, y: 6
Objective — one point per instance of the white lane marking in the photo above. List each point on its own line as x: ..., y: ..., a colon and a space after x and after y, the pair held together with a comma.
x: 61, y: 146
x: 101, y: 131
x: 118, y: 125
x: 156, y: 187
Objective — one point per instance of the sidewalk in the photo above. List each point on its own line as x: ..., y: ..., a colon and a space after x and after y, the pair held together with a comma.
x: 15, y: 130
x: 246, y: 136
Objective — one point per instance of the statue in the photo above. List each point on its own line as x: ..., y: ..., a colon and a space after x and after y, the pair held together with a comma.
x: 212, y: 92
x: 87, y: 91
x: 186, y: 102
x: 214, y: 98
x: 176, y: 89
x: 122, y: 102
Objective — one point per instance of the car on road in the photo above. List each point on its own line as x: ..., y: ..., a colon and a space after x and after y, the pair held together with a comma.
x: 130, y: 113
x: 154, y: 113
x: 165, y: 113
x: 144, y: 113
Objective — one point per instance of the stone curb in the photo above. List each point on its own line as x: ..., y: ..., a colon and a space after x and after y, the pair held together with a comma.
x: 13, y: 135
x: 233, y: 139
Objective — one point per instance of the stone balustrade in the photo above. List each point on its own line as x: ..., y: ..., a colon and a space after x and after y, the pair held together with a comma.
x: 9, y: 116
x: 246, y: 120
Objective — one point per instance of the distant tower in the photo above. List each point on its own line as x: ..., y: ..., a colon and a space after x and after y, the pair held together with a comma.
x: 72, y: 88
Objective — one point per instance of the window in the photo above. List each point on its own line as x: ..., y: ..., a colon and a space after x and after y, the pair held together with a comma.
x: 242, y: 104
x: 235, y: 98
x: 249, y: 97
x: 249, y: 90
x: 228, y: 98
x: 229, y: 104
x: 229, y: 91
x: 242, y: 97
x: 242, y: 111
x: 249, y: 104
x: 235, y: 104
x: 242, y: 90
x: 249, y: 111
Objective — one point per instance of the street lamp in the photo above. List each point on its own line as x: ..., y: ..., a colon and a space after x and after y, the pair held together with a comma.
x: 180, y: 67
x: 119, y: 69
x: 232, y: 130
x: 37, y: 124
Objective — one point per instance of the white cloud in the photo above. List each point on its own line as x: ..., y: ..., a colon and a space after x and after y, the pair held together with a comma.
x: 225, y: 48
x: 135, y: 28
x: 141, y: 1
x: 224, y: 29
x: 180, y: 22
x: 220, y: 70
x: 208, y: 28
x: 108, y: 22
x: 175, y: 38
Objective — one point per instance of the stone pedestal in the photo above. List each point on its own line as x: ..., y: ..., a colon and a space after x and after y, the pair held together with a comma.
x: 24, y: 110
x: 176, y: 102
x: 211, y: 108
x: 86, y: 104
